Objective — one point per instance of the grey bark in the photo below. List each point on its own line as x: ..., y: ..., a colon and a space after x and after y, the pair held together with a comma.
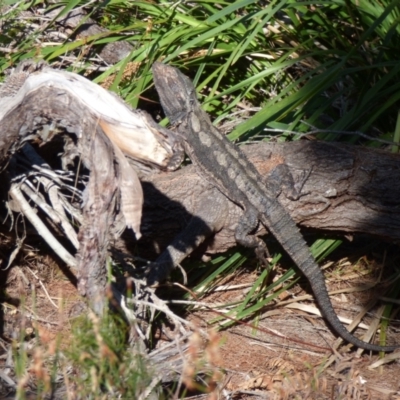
x: 99, y: 132
x: 350, y: 189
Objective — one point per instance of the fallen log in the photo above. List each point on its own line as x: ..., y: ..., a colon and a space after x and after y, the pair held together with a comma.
x: 350, y: 189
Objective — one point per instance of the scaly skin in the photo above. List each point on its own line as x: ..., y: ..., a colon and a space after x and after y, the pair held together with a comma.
x: 225, y: 166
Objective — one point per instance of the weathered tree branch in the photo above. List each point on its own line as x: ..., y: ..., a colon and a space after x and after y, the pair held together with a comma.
x: 350, y: 189
x: 98, y: 132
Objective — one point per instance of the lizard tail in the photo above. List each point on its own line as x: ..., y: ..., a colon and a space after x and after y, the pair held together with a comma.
x: 286, y: 232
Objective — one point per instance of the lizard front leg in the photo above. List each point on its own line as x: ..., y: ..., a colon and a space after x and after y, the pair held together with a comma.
x: 209, y: 217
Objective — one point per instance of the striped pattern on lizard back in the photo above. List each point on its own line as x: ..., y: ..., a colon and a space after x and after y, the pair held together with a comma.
x: 224, y: 165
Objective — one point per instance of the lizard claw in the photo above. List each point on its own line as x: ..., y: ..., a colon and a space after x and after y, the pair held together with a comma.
x: 156, y: 273
x: 263, y: 254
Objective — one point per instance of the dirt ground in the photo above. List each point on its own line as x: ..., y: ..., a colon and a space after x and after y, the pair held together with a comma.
x: 283, y: 353
x: 287, y: 354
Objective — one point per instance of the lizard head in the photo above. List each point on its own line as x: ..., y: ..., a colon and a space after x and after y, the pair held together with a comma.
x: 178, y: 93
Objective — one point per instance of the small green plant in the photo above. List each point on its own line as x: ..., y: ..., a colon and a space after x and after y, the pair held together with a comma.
x: 93, y: 362
x: 103, y: 364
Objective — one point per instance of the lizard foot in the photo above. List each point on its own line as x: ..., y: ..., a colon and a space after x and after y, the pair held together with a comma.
x: 157, y: 272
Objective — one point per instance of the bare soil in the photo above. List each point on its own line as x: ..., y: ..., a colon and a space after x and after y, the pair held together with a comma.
x: 283, y: 353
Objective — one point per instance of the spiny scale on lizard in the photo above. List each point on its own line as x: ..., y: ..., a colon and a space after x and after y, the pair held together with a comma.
x: 227, y: 168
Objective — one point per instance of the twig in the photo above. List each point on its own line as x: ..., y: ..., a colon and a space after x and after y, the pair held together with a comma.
x: 200, y: 304
x: 7, y: 379
x: 32, y: 315
x: 43, y: 287
x: 183, y: 272
x: 160, y: 306
x: 146, y: 393
x: 15, y: 252
x: 54, y: 197
x: 26, y: 209
x: 11, y: 9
